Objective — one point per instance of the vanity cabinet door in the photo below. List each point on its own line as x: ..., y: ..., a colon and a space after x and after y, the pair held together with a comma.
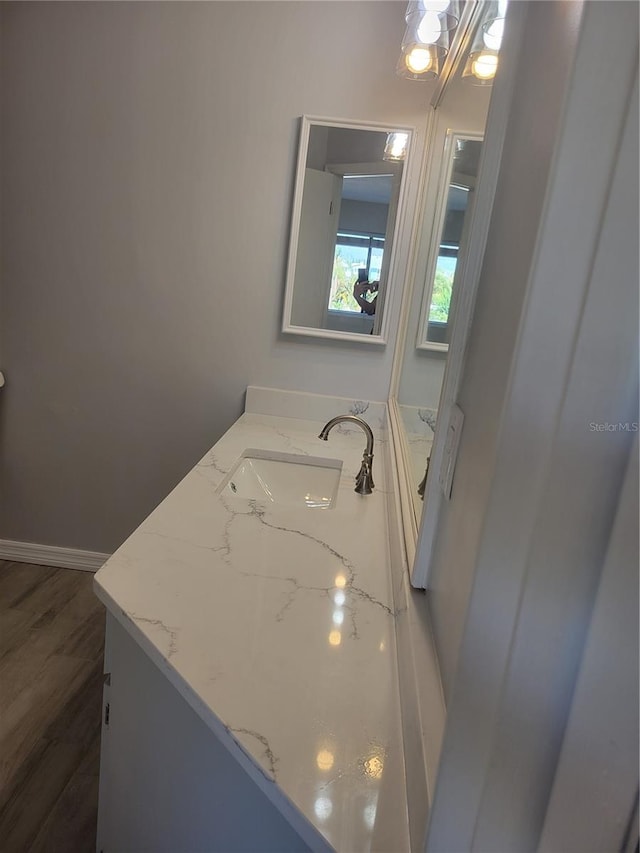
x: 166, y: 782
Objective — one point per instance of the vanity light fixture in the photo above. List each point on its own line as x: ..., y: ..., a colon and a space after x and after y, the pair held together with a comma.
x: 482, y: 62
x: 395, y: 148
x: 430, y: 24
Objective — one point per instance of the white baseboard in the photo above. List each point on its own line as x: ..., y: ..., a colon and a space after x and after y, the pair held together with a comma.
x: 52, y: 555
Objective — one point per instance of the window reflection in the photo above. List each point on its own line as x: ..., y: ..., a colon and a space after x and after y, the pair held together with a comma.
x: 463, y: 171
x: 369, y: 815
x: 354, y: 252
x: 323, y: 808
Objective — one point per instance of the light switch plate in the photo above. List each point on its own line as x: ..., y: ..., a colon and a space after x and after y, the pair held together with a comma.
x: 452, y: 442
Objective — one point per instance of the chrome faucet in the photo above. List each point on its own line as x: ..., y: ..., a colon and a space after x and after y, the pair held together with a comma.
x: 364, y: 479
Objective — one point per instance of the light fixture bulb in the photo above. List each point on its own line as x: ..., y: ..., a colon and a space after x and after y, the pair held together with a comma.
x: 395, y: 149
x: 435, y: 5
x: 418, y: 60
x: 492, y: 36
x: 429, y: 29
x: 485, y: 66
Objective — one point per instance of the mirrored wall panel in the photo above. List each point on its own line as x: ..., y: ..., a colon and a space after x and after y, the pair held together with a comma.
x: 451, y: 187
x: 348, y: 193
x: 454, y: 215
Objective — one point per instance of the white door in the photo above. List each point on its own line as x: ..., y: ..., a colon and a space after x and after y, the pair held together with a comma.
x: 316, y: 241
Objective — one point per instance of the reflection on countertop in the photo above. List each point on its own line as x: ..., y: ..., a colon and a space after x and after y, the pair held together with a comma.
x: 278, y: 623
x: 419, y: 426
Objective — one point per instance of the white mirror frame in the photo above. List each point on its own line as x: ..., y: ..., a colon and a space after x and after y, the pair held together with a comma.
x: 399, y: 218
x: 438, y: 224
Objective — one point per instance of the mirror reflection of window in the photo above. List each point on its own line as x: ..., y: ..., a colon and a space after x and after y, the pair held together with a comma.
x: 446, y: 263
x: 364, y: 214
x: 354, y: 252
x: 462, y: 179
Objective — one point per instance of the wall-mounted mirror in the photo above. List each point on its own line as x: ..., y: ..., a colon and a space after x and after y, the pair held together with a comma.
x: 455, y: 201
x: 348, y: 197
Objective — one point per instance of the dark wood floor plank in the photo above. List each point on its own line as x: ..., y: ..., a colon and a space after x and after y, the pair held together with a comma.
x: 86, y: 639
x: 37, y: 795
x: 71, y: 824
x: 90, y: 764
x: 51, y: 648
x: 56, y: 631
x: 14, y: 629
x: 52, y: 593
x: 26, y: 717
x: 19, y: 579
x: 79, y: 719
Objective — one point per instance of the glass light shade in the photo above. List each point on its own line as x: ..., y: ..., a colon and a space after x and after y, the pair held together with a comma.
x: 426, y: 27
x: 481, y: 66
x: 450, y: 7
x: 482, y: 61
x: 492, y: 33
x: 436, y: 5
x: 425, y: 45
x: 421, y: 61
x: 429, y: 28
x: 396, y: 146
x: 485, y: 65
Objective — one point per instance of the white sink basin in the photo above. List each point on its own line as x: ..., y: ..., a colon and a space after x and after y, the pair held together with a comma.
x: 284, y: 478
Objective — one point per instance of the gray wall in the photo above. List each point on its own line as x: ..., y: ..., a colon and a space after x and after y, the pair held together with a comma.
x: 146, y: 177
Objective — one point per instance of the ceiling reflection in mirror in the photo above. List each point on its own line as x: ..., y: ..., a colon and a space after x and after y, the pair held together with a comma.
x: 348, y: 189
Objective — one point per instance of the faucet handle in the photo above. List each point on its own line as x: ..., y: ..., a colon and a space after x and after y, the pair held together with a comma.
x: 364, y: 477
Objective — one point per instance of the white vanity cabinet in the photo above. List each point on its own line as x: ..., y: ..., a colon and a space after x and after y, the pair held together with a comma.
x: 167, y: 783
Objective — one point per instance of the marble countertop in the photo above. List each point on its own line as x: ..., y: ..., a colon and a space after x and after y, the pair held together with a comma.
x: 276, y: 624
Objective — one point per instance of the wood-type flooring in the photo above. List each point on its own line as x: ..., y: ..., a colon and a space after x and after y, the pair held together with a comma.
x: 51, y: 651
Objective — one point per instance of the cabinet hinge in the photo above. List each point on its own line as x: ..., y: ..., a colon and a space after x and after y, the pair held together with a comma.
x: 107, y: 713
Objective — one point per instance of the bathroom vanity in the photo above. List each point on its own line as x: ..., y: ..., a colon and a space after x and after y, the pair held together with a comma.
x: 271, y: 679
x: 252, y: 698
